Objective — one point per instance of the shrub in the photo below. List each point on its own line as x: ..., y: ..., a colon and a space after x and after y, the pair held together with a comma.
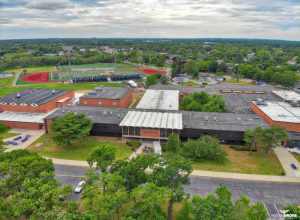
x: 204, y: 148
x: 173, y: 144
x: 3, y: 128
x: 133, y: 144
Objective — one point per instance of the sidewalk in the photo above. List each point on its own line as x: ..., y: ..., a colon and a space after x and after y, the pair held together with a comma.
x: 75, y: 163
x: 246, y: 177
x: 202, y: 173
x: 286, y: 159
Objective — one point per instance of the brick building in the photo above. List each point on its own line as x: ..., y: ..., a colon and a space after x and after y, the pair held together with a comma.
x: 108, y: 97
x: 27, y: 109
x: 280, y: 114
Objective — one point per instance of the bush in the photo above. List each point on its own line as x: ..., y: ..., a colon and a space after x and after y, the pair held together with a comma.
x: 133, y: 144
x: 3, y: 128
x: 202, y: 102
x: 203, y: 149
x: 173, y: 144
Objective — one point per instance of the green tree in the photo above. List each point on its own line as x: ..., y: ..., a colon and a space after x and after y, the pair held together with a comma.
x: 265, y: 139
x: 173, y: 172
x: 293, y: 209
x: 147, y: 202
x: 104, y: 196
x: 135, y: 171
x: 102, y: 156
x: 173, y: 144
x: 70, y: 128
x: 29, y: 189
x: 203, y: 102
x: 191, y: 68
x: 219, y: 205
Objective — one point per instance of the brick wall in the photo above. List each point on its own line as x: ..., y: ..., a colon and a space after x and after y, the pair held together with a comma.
x: 295, y: 127
x: 117, y: 103
x: 46, y: 107
x: 150, y: 133
x: 23, y: 125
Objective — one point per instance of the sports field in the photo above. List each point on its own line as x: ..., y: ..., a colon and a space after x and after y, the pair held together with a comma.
x: 65, y: 73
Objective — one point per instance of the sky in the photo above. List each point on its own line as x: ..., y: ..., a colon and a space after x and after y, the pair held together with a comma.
x: 273, y: 19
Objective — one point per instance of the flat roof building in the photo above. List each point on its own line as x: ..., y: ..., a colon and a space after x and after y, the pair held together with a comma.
x: 159, y: 100
x: 287, y: 95
x: 108, y: 97
x: 158, y: 124
x: 35, y: 100
x: 28, y: 109
x: 281, y: 114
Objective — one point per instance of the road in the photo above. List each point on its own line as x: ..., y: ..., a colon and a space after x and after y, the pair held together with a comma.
x: 274, y: 195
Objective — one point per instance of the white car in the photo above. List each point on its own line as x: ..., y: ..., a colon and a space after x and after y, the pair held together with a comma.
x: 79, y: 186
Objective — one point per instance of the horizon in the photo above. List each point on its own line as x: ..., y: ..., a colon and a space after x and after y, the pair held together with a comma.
x: 183, y: 19
x: 154, y: 38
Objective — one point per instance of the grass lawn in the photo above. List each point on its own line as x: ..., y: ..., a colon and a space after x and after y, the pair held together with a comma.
x: 33, y: 69
x: 8, y: 135
x: 244, y: 162
x: 297, y: 156
x: 46, y: 147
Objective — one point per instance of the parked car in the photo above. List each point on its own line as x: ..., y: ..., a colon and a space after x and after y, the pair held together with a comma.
x: 79, y: 187
x: 25, y: 138
x: 11, y: 143
x: 294, y: 167
x: 17, y: 138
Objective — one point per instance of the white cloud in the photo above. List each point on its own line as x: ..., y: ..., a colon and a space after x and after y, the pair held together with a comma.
x: 153, y: 18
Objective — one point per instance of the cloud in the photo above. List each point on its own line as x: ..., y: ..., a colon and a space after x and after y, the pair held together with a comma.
x: 49, y: 5
x: 151, y: 18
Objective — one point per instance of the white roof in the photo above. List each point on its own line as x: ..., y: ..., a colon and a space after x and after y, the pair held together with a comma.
x: 23, y: 117
x: 143, y: 119
x: 281, y: 111
x: 160, y: 99
x: 288, y: 95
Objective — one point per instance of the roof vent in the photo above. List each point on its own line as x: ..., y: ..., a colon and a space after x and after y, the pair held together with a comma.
x: 53, y: 91
x: 18, y: 95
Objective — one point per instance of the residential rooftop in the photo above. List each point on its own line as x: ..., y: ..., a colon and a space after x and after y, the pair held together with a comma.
x: 32, y: 96
x: 107, y: 93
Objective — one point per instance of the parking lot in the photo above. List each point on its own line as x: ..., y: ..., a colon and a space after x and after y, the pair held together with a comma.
x: 275, y: 196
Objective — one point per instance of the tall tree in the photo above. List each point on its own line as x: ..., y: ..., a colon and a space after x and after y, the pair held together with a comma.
x: 102, y: 157
x: 70, y: 128
x: 172, y: 173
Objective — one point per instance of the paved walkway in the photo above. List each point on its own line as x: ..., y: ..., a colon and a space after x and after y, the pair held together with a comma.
x: 202, y: 173
x: 248, y: 177
x: 286, y: 158
x: 34, y: 135
x: 76, y: 163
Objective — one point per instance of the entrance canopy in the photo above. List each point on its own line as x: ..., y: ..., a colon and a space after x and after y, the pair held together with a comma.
x: 160, y: 120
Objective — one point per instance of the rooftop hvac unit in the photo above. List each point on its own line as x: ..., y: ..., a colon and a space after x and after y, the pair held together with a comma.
x: 261, y: 102
x: 295, y: 103
x: 18, y: 95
